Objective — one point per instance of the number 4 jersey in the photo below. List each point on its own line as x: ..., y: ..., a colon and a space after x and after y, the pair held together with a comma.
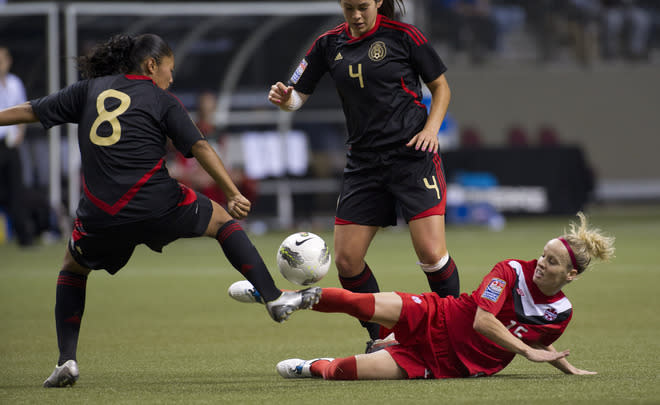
x: 123, y: 125
x: 377, y: 78
x: 509, y: 293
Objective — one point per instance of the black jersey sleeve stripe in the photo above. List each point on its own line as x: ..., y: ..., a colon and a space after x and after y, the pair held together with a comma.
x: 335, y: 31
x: 417, y: 37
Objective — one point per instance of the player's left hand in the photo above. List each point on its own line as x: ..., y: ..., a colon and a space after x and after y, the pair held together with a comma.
x: 540, y: 355
x: 238, y: 206
x: 425, y: 140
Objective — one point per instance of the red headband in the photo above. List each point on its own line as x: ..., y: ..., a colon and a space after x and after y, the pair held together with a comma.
x: 570, y: 253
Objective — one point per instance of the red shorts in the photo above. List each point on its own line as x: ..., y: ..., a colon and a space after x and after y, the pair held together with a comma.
x: 424, y: 349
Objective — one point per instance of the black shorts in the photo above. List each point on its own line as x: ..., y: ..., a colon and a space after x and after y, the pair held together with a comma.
x: 111, y: 247
x: 377, y: 187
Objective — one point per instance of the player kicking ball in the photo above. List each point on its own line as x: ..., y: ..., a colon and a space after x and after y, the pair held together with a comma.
x: 125, y: 118
x: 519, y: 308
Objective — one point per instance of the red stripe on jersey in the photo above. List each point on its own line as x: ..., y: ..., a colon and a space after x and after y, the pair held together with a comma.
x: 121, y: 203
x: 177, y: 99
x: 335, y: 31
x: 189, y: 195
x: 412, y: 93
x: 339, y: 221
x: 139, y: 77
x: 439, y: 209
x: 366, y: 34
x: 413, y: 32
x: 78, y: 231
x: 437, y: 161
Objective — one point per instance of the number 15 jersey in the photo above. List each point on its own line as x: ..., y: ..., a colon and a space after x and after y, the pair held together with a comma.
x: 123, y: 125
x: 377, y: 78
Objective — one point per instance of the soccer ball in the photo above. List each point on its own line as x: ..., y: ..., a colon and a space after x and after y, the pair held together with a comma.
x: 303, y: 258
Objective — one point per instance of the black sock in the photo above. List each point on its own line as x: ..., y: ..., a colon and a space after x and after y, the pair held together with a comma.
x: 444, y: 281
x: 242, y: 254
x: 69, y: 308
x: 365, y: 282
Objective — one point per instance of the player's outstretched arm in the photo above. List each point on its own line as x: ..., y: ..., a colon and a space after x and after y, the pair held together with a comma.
x: 237, y: 205
x: 562, y: 364
x: 285, y: 97
x: 488, y: 325
x: 18, y: 114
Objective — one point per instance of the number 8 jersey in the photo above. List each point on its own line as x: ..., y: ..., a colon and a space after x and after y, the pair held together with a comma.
x: 123, y: 125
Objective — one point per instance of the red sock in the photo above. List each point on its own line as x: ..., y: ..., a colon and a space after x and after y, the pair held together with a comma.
x: 358, y: 305
x: 318, y: 367
x: 341, y: 369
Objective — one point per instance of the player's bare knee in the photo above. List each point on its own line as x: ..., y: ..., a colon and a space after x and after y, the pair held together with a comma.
x: 347, y: 267
x: 71, y: 265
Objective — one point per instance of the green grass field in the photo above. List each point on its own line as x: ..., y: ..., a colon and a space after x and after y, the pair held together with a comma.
x: 163, y: 330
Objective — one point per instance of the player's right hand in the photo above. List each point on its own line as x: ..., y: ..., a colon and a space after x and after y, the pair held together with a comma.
x: 238, y: 206
x: 279, y: 93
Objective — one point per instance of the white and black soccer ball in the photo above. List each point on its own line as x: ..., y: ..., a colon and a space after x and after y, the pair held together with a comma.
x: 303, y: 258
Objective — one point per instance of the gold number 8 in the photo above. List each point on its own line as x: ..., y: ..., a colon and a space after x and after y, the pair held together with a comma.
x: 109, y: 116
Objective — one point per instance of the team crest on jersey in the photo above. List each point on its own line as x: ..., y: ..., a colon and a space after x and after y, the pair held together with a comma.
x: 550, y: 314
x: 377, y: 51
x: 299, y: 71
x: 494, y: 290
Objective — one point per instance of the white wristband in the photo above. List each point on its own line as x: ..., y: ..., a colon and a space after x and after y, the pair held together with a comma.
x: 295, y: 101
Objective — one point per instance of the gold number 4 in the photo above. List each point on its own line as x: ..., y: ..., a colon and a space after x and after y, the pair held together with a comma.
x: 110, y: 117
x: 433, y: 186
x: 356, y: 75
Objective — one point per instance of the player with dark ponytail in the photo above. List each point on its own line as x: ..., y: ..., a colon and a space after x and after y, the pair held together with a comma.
x: 125, y: 117
x: 393, y: 166
x: 123, y: 54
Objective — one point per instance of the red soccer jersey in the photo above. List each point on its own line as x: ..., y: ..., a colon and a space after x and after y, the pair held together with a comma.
x: 509, y: 293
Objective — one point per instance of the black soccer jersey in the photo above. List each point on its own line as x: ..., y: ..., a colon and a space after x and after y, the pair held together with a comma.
x: 377, y: 78
x: 123, y: 125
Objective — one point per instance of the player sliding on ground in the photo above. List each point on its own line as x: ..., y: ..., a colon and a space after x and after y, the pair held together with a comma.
x: 519, y: 308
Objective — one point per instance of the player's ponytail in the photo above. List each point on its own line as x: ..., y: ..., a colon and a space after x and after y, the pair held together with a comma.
x: 122, y: 54
x: 388, y: 8
x: 587, y: 243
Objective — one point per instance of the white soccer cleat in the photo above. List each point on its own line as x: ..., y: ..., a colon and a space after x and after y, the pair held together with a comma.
x: 63, y: 376
x: 244, y: 291
x: 297, y: 368
x: 290, y: 301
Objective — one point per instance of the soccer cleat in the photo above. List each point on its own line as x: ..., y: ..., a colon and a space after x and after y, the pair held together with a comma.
x: 290, y: 301
x: 379, y: 344
x: 297, y: 368
x: 244, y: 291
x: 64, y: 375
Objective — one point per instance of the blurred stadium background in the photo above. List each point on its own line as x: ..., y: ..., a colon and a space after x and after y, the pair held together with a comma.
x: 544, y: 120
x: 553, y: 109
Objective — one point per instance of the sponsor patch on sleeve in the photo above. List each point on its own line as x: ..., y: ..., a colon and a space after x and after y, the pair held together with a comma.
x: 494, y: 290
x: 299, y: 71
